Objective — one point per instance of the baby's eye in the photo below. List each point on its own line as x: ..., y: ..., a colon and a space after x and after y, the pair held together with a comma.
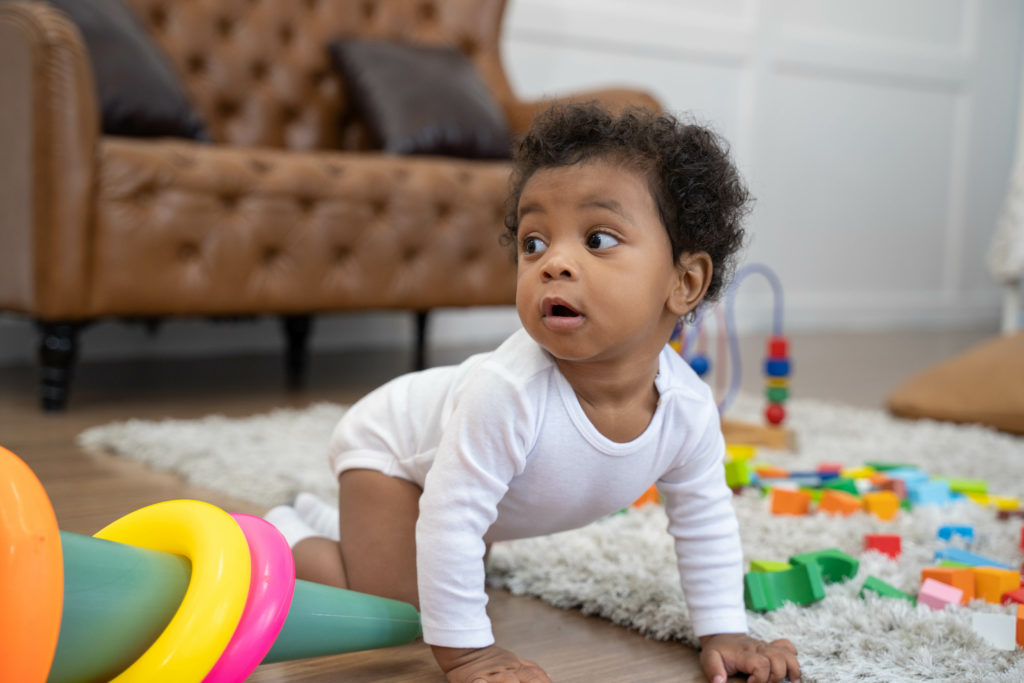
x: 533, y: 245
x: 601, y: 240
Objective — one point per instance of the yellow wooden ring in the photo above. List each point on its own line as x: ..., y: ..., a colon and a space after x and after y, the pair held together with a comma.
x: 199, y: 631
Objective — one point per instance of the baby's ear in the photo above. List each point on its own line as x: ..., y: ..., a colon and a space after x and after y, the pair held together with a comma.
x: 693, y: 275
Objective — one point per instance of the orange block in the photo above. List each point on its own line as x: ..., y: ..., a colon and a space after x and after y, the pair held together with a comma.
x: 1020, y: 625
x: 771, y: 472
x: 991, y: 582
x: 882, y: 504
x: 650, y: 496
x: 960, y: 578
x: 786, y: 502
x: 838, y: 502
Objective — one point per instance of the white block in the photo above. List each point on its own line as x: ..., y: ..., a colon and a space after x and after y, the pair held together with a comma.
x: 998, y: 630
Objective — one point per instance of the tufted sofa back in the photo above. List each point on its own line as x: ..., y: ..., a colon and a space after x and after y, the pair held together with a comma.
x: 258, y: 70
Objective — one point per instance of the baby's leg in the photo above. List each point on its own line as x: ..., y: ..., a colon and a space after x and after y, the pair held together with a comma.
x: 377, y: 551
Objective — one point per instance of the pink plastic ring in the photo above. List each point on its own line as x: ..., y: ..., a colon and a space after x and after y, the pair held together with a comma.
x: 271, y: 586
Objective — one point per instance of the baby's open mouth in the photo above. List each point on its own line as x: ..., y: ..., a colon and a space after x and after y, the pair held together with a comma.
x: 561, y: 311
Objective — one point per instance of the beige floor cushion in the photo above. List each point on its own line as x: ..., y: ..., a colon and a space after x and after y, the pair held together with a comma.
x: 983, y: 385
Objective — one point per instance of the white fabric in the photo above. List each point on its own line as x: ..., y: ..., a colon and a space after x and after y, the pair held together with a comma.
x: 503, y: 450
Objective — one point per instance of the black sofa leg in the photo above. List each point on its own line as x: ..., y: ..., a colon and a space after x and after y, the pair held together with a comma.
x: 421, y: 340
x: 297, y: 329
x: 58, y: 348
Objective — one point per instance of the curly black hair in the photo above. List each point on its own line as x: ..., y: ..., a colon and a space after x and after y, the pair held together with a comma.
x: 700, y: 196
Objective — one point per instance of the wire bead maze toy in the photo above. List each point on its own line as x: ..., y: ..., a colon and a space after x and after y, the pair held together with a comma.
x: 692, y: 344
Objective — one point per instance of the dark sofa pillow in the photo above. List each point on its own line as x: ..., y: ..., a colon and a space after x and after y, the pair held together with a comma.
x: 422, y: 100
x: 139, y: 93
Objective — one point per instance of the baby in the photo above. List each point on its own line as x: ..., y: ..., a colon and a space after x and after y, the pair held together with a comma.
x: 622, y: 225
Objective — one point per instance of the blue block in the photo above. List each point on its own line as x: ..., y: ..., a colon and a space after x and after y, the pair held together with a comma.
x: 907, y: 475
x: 966, y: 557
x: 947, y: 532
x: 929, y: 493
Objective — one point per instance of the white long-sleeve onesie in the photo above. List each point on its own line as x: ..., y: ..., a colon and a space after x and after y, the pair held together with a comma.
x: 503, y: 450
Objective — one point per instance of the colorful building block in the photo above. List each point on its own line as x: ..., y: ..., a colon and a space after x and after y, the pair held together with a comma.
x: 948, y: 531
x: 873, y: 584
x: 1015, y: 596
x: 841, y: 484
x: 830, y: 468
x: 897, y: 486
x: 966, y: 485
x: 769, y: 566
x: 650, y: 496
x: 935, y: 492
x: 790, y: 502
x: 856, y: 472
x: 1005, y: 515
x: 835, y: 565
x: 882, y: 504
x: 837, y: 502
x: 738, y: 474
x: 951, y: 576
x: 740, y: 451
x: 766, y: 591
x: 889, y: 466
x: 998, y: 630
x: 1020, y: 625
x: 887, y: 544
x: 911, y: 475
x: 990, y: 583
x: 770, y: 472
x: 937, y: 595
x: 967, y: 557
x: 1004, y: 502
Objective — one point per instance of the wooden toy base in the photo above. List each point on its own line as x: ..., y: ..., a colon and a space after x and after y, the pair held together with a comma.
x: 768, y: 436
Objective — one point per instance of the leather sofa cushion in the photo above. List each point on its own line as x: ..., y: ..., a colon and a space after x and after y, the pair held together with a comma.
x: 139, y: 93
x: 421, y: 99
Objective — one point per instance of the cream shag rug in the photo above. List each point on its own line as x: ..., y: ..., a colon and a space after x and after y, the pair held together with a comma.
x: 622, y: 568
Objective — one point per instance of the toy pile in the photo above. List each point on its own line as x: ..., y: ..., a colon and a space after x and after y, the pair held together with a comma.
x: 957, y: 577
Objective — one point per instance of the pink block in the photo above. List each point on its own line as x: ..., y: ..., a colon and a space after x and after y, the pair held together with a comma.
x: 937, y: 595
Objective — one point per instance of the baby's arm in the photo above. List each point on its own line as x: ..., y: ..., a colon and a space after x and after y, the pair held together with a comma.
x: 703, y: 523
x: 480, y: 452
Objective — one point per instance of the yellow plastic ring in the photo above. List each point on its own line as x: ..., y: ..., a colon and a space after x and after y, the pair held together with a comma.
x: 199, y: 631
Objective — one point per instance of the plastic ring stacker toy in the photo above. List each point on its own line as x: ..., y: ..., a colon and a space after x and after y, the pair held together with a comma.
x: 270, y: 596
x: 31, y: 574
x: 199, y: 631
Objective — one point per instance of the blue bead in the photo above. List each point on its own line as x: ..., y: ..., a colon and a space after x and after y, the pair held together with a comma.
x: 947, y: 532
x: 700, y: 364
x: 776, y: 367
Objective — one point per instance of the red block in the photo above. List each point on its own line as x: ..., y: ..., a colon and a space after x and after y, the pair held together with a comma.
x: 1016, y: 596
x: 888, y: 544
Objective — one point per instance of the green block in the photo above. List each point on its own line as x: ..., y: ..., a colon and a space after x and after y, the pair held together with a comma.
x: 875, y: 585
x: 842, y: 484
x: 835, y: 565
x: 737, y: 473
x: 965, y: 485
x: 905, y: 504
x: 953, y: 564
x: 769, y: 566
x: 814, y: 493
x: 767, y: 591
x: 777, y: 394
x: 886, y: 466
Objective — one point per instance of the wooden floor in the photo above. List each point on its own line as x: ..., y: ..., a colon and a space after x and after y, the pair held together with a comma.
x: 90, y: 491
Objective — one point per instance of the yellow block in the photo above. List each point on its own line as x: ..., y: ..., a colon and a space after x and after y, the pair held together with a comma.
x: 882, y: 504
x: 991, y: 582
x: 740, y: 451
x: 856, y: 472
x: 782, y: 382
x: 982, y: 499
x: 1004, y: 502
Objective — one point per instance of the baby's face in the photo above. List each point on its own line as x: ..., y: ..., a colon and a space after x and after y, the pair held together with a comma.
x: 595, y: 269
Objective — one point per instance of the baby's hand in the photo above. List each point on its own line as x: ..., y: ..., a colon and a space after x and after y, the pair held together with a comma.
x: 725, y: 654
x: 487, y: 665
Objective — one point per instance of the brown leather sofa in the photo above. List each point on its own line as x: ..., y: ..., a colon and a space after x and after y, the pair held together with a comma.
x: 287, y: 212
